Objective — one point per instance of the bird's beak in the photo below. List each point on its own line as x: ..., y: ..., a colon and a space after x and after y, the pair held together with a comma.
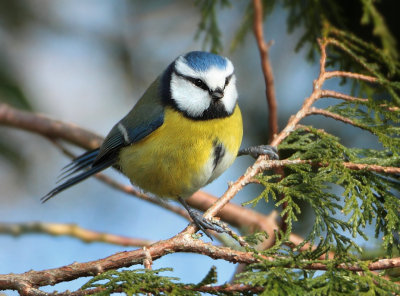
x: 217, y: 94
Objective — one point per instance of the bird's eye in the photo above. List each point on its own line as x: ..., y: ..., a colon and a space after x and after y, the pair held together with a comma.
x: 227, y: 79
x: 200, y: 83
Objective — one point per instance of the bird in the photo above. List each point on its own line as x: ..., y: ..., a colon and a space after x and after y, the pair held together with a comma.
x: 183, y: 133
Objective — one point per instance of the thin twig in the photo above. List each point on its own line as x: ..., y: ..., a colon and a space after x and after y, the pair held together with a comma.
x: 326, y: 113
x: 357, y: 76
x: 266, y: 68
x: 342, y: 96
x: 350, y: 165
x: 338, y: 95
x: 137, y: 193
x: 73, y: 230
x: 48, y: 127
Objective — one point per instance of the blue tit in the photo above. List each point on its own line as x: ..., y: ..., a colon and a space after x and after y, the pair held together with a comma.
x: 183, y: 133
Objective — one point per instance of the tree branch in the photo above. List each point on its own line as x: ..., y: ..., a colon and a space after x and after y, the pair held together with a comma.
x: 48, y: 127
x: 343, y: 74
x: 183, y: 242
x: 350, y: 165
x: 338, y: 95
x: 266, y: 68
x: 73, y: 230
x: 326, y: 113
x: 318, y: 93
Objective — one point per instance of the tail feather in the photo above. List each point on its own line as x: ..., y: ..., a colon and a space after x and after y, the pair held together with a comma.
x: 87, y: 157
x: 83, y: 162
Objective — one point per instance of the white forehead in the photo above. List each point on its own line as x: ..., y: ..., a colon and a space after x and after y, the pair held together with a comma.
x: 213, y: 76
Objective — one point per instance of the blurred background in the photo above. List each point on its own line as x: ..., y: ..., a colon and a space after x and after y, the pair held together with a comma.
x: 87, y: 62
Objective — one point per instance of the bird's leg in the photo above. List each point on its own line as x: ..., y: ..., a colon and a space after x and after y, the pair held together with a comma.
x: 256, y: 151
x: 202, y: 223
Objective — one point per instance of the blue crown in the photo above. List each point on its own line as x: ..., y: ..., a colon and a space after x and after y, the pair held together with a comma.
x: 202, y: 61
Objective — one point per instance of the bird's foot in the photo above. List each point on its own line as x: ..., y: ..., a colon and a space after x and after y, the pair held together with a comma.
x: 256, y: 151
x: 203, y: 223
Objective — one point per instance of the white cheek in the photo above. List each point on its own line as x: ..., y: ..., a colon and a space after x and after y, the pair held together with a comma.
x: 230, y: 95
x: 188, y: 97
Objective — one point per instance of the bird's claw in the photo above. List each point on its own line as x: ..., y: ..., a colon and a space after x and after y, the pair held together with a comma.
x: 256, y: 151
x: 203, y: 223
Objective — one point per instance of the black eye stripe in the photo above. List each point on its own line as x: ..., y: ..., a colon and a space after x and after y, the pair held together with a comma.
x: 200, y: 83
x: 227, y: 80
x: 196, y: 81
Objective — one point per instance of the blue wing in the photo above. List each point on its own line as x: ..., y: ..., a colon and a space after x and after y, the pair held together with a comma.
x: 142, y: 120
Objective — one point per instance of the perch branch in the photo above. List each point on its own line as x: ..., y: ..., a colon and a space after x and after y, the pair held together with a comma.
x: 182, y: 242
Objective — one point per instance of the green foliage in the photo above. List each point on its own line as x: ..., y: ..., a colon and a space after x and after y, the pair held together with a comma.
x: 350, y: 16
x: 209, y: 24
x: 274, y: 279
x: 348, y: 22
x: 209, y: 279
x: 10, y: 152
x: 345, y: 201
x: 363, y: 199
x: 144, y: 281
x: 351, y: 53
x: 256, y: 237
x: 377, y: 120
x: 11, y: 93
x: 137, y: 282
x: 334, y: 281
x: 372, y: 16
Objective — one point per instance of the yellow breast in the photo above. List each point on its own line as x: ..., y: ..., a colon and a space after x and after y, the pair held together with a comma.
x: 177, y: 159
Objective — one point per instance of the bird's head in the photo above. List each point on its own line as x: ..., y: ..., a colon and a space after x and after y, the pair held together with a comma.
x: 201, y: 85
